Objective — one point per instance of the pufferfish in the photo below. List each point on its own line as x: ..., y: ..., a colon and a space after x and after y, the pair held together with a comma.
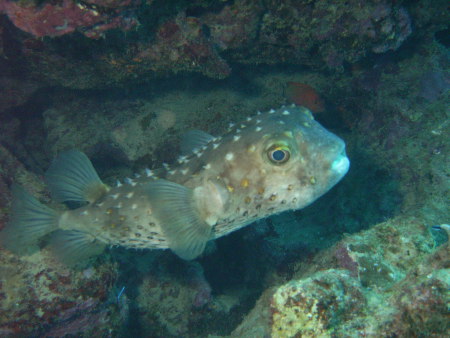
x: 270, y: 163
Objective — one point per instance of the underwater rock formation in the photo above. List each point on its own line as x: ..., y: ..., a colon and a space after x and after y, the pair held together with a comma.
x: 38, y: 295
x: 64, y: 17
x: 387, y: 281
x: 200, y: 37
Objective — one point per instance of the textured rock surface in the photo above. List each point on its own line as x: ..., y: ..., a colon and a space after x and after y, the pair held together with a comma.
x: 39, y: 296
x: 394, y: 282
x: 204, y: 37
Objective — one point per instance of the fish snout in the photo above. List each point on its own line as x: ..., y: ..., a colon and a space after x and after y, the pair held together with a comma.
x: 341, y: 163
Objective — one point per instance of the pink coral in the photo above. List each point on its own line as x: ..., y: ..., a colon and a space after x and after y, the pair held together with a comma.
x: 345, y: 260
x: 61, y: 18
x: 201, y: 285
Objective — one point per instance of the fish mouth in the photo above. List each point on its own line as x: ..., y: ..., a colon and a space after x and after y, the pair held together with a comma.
x: 341, y: 164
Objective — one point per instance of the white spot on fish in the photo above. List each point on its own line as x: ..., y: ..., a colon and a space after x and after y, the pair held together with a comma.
x: 206, y: 167
x: 130, y: 194
x: 184, y: 171
x: 181, y: 159
x: 148, y: 172
x: 243, y: 126
x: 172, y: 172
x: 238, y: 131
x: 134, y: 206
x: 271, y: 111
x: 229, y: 156
x: 119, y: 205
x: 249, y: 119
x: 84, y: 213
x: 258, y: 113
x: 216, y: 145
x: 236, y: 138
x: 118, y: 184
x: 137, y: 175
x: 230, y: 125
x: 281, y: 122
x: 286, y: 112
x: 130, y: 181
x: 258, y: 121
x: 115, y: 196
x: 258, y: 128
x: 166, y: 166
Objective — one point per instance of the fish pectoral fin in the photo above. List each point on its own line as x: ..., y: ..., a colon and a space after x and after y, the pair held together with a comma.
x: 194, y: 139
x: 72, y: 177
x: 181, y: 223
x: 73, y: 246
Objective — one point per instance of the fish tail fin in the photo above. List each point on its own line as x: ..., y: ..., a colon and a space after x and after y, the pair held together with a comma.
x: 30, y: 220
x: 72, y: 177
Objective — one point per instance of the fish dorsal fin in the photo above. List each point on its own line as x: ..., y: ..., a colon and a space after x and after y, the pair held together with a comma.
x: 194, y: 139
x: 71, y: 177
x: 181, y: 223
x: 72, y: 246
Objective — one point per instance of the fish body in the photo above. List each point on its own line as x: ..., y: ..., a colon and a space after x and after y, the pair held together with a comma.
x: 273, y: 162
x: 304, y: 95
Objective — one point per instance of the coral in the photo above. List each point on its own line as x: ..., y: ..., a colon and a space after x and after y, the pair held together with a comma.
x: 183, y: 42
x: 235, y: 26
x: 169, y: 296
x: 38, y: 296
x: 313, y: 306
x: 64, y: 17
x: 81, y: 318
x: 206, y: 41
x: 337, y: 32
x: 199, y: 282
x: 393, y: 283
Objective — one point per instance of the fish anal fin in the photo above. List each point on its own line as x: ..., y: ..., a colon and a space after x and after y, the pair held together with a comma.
x: 73, y: 247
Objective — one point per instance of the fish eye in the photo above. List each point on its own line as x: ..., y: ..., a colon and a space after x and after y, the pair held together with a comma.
x: 278, y: 154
